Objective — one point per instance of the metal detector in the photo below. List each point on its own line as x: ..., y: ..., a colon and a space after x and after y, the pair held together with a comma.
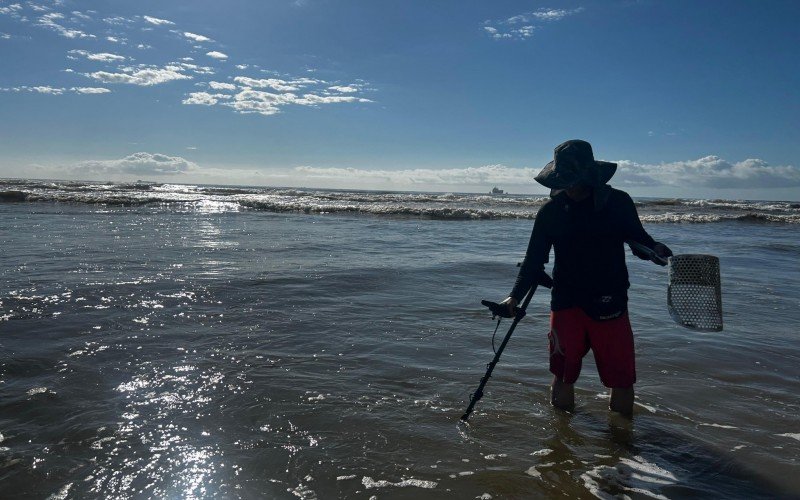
x: 502, y: 311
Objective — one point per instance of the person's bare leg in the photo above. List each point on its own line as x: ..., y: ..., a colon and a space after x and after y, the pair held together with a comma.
x: 622, y: 400
x: 562, y: 395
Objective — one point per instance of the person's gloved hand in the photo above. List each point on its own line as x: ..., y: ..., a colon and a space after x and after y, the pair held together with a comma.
x: 511, y: 304
x: 662, y: 251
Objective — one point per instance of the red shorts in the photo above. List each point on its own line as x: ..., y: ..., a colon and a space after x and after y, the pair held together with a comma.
x: 573, y: 333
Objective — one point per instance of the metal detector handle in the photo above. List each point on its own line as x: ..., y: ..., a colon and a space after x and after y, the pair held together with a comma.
x: 502, y: 310
x: 649, y: 252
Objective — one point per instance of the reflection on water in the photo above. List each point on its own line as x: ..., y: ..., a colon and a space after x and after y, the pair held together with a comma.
x: 207, y: 354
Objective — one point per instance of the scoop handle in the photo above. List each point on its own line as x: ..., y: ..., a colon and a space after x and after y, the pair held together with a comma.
x: 649, y: 252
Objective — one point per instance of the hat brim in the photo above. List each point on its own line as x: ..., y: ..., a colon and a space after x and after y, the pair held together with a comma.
x: 551, y: 178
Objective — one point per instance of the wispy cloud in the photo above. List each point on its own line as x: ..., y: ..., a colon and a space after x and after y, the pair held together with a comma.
x: 221, y: 86
x: 272, y: 83
x: 90, y: 90
x: 194, y: 68
x: 117, y: 20
x: 14, y: 10
x: 247, y: 97
x: 523, y: 26
x: 76, y: 14
x: 217, y: 55
x: 144, y: 76
x: 204, y: 98
x: 139, y: 164
x: 113, y: 63
x: 195, y: 37
x: 542, y: 15
x: 47, y: 89
x: 346, y: 89
x: 157, y: 21
x: 49, y: 21
x: 99, y: 56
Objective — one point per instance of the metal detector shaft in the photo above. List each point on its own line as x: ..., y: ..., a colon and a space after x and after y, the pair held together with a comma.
x: 478, y: 394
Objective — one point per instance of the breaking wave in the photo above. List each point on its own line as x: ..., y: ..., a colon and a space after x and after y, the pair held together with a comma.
x: 455, y: 206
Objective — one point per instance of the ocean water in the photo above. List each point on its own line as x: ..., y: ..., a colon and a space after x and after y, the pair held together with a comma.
x: 169, y: 341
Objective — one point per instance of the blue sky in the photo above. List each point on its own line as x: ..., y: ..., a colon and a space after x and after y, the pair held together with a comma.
x: 694, y: 99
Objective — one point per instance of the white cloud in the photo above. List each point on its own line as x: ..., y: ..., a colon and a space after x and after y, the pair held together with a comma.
x: 555, y: 14
x: 216, y: 55
x: 117, y: 20
x: 12, y: 10
x: 221, y: 86
x: 257, y: 101
x: 90, y: 90
x: 139, y: 164
x: 345, y: 89
x: 157, y: 21
x: 543, y: 15
x: 80, y: 15
x: 314, y: 100
x: 39, y: 89
x: 195, y: 37
x: 47, y: 89
x: 204, y: 98
x: 251, y: 99
x: 709, y: 172
x: 510, y: 28
x: 200, y: 70
x: 494, y: 33
x: 99, y: 56
x: 273, y: 83
x: 144, y: 76
x: 488, y: 175
x: 44, y: 89
x: 49, y: 21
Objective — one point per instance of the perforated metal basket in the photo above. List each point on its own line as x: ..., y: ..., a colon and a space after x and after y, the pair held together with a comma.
x: 694, y: 295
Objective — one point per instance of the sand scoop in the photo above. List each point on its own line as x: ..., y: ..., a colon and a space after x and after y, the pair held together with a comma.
x: 694, y: 293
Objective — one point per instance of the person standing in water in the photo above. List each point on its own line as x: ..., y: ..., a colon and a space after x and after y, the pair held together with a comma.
x: 586, y: 222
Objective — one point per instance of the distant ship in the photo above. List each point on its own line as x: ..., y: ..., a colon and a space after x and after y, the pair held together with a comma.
x: 495, y: 190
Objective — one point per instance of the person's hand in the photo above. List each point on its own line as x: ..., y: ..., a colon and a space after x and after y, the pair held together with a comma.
x: 662, y: 251
x: 511, y: 304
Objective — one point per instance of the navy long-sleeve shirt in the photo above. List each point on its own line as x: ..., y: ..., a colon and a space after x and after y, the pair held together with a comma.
x: 588, y: 238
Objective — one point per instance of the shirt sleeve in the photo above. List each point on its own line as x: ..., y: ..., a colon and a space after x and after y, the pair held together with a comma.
x: 634, y: 230
x: 536, y: 256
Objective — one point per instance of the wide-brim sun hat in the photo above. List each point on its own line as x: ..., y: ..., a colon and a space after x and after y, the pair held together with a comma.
x: 573, y: 163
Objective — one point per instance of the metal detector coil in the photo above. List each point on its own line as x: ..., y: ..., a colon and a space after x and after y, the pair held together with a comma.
x: 694, y: 294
